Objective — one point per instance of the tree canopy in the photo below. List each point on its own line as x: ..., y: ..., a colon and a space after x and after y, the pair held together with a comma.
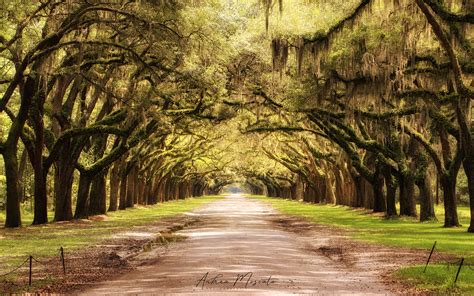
x: 108, y: 104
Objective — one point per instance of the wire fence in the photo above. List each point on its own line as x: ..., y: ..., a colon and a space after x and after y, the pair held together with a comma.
x: 456, y: 263
x: 449, y: 264
x: 41, y: 262
x: 14, y: 269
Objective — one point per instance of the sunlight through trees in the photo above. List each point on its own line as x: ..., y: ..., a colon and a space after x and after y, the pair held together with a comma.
x: 109, y: 104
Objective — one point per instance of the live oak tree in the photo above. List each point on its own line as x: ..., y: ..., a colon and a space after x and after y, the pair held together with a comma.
x: 363, y: 103
x: 363, y: 76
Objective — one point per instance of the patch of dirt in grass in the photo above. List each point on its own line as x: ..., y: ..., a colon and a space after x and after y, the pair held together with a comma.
x: 336, y: 244
x: 78, y: 222
x: 98, y: 218
x: 109, y: 259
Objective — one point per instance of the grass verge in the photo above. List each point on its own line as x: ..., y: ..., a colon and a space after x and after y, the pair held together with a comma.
x: 45, y: 240
x: 405, y: 232
x: 439, y: 279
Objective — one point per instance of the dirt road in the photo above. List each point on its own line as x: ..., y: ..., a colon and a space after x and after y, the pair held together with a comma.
x: 237, y: 248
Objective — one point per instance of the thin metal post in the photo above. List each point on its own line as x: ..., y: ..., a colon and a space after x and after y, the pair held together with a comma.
x: 62, y: 259
x: 31, y: 268
x: 459, y: 270
x: 429, y: 257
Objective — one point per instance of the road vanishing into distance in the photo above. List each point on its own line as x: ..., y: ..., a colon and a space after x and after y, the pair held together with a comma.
x: 237, y: 248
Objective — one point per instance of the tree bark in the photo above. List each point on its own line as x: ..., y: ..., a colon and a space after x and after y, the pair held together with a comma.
x: 391, y: 185
x: 426, y: 199
x: 36, y: 157
x: 21, y: 174
x: 339, y: 183
x: 359, y: 198
x: 407, y: 196
x: 462, y: 107
x: 63, y: 181
x: 10, y: 149
x: 123, y: 192
x: 40, y: 193
x: 114, y: 187
x: 449, y: 195
x: 130, y: 189
x: 82, y: 206
x: 377, y: 185
x: 136, y: 190
x: 98, y: 198
x: 13, y: 216
x: 468, y: 165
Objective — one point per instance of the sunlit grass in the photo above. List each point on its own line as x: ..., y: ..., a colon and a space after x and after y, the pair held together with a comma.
x: 45, y: 240
x: 406, y: 232
x: 440, y: 279
x: 397, y: 232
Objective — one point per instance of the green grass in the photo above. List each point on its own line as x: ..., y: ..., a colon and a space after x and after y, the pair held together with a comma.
x: 45, y: 240
x: 439, y: 279
x: 406, y: 232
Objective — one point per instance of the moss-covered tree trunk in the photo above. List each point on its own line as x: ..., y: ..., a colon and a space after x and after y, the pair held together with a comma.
x: 63, y: 181
x: 136, y: 183
x: 98, y: 195
x: 147, y: 192
x: 426, y: 199
x: 308, y: 193
x: 13, y: 216
x: 114, y: 183
x: 123, y: 191
x: 469, y: 170
x: 21, y: 174
x: 64, y: 177
x: 359, y: 196
x: 390, y: 184
x: 166, y: 190
x: 36, y: 157
x: 83, y: 194
x: 162, y: 189
x: 448, y: 184
x: 131, y: 180
x: 40, y: 193
x: 10, y: 150
x: 141, y: 191
x: 461, y: 105
x: 407, y: 195
x: 377, y: 185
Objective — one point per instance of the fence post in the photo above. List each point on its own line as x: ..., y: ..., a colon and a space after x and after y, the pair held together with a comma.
x: 429, y: 257
x: 459, y: 270
x: 31, y: 267
x: 62, y: 259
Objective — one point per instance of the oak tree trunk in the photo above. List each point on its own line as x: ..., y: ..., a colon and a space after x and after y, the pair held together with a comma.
x: 13, y: 216
x: 426, y: 199
x: 377, y: 185
x: 123, y: 192
x: 63, y: 180
x: 130, y: 189
x: 448, y: 184
x: 391, y: 186
x: 407, y: 196
x: 469, y: 170
x: 114, y: 181
x: 82, y: 205
x: 98, y: 198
